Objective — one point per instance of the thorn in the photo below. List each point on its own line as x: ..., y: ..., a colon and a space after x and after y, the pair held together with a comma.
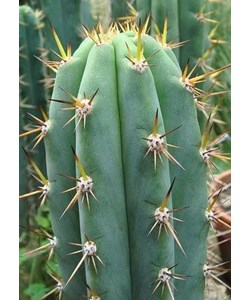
x: 35, y: 167
x: 84, y: 186
x: 58, y: 42
x: 42, y: 126
x: 44, y: 190
x: 162, y: 215
x: 155, y: 126
x: 156, y: 144
x: 46, y: 247
x: 79, y: 165
x: 89, y: 250
x: 93, y: 96
x: 165, y: 200
x: 165, y: 276
x: 185, y: 72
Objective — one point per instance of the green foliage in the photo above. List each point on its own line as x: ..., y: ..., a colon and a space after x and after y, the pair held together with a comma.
x: 36, y: 290
x: 42, y: 218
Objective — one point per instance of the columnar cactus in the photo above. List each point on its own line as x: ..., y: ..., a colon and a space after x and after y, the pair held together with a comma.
x: 126, y: 180
x: 159, y: 10
x: 189, y: 22
x: 31, y: 70
x: 31, y: 93
x: 58, y: 12
x: 126, y: 186
x: 194, y: 27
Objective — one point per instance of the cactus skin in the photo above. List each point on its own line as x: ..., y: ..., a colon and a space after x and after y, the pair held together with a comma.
x: 65, y: 16
x: 143, y: 8
x: 65, y: 229
x: 128, y: 188
x: 152, y: 185
x: 190, y: 188
x: 161, y: 9
x: 193, y: 30
x: 86, y: 17
x: 99, y: 149
x: 119, y: 8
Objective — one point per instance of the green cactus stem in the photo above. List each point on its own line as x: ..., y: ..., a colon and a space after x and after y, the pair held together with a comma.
x: 66, y: 229
x: 128, y: 179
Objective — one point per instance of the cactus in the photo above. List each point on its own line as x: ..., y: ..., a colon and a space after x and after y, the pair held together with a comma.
x: 102, y: 11
x: 189, y: 22
x: 127, y: 157
x: 65, y: 18
x: 189, y: 28
x: 30, y: 42
x: 159, y: 10
x: 88, y: 12
x: 195, y: 17
x: 221, y: 54
x: 23, y: 185
x: 31, y: 94
x: 118, y: 187
x: 31, y: 91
